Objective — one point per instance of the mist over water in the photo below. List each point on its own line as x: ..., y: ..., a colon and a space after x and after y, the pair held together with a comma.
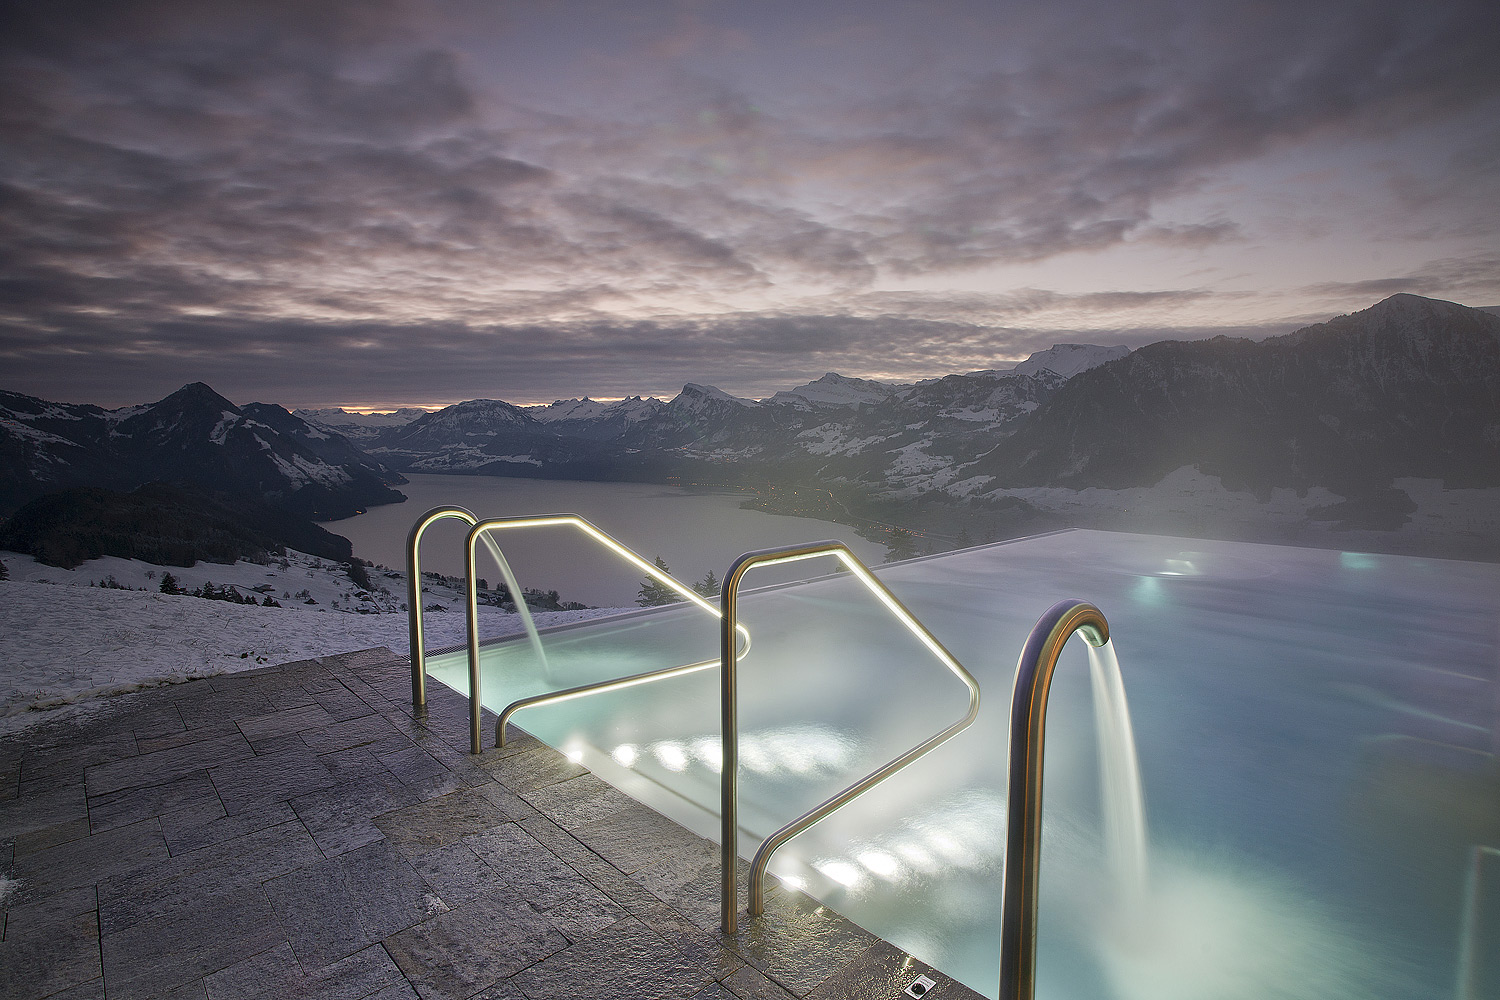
x: 696, y: 531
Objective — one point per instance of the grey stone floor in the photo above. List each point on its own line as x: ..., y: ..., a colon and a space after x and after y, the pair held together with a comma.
x: 298, y: 831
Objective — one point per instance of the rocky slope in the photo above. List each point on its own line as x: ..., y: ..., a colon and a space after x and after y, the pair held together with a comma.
x: 193, y: 436
x: 1409, y: 387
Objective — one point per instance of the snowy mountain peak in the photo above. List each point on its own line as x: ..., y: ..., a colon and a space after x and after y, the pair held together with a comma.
x: 1068, y: 360
x: 693, y: 391
x: 567, y: 409
x: 834, y: 389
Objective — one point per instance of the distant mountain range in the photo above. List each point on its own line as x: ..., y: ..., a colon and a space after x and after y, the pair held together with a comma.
x: 194, y: 436
x: 1407, y: 388
x: 891, y: 438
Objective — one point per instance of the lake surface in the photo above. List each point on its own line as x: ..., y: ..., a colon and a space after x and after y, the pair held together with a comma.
x: 696, y: 531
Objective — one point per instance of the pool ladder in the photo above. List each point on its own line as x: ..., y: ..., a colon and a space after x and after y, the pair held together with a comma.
x: 1025, y: 750
x: 480, y: 530
x: 1023, y: 796
x: 729, y: 776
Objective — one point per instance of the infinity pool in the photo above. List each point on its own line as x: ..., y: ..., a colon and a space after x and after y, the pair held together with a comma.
x: 1317, y: 734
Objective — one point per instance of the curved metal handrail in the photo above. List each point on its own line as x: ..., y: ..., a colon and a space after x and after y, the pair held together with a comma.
x: 598, y: 687
x: 1023, y: 798
x: 542, y: 521
x: 729, y: 777
x: 415, y: 635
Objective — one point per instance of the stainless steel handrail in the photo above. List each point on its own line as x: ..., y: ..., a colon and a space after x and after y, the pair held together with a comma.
x: 542, y: 521
x: 415, y: 635
x: 1023, y: 798
x: 598, y: 687
x: 729, y: 777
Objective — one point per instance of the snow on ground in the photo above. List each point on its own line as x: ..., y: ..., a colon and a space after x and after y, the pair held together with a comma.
x: 70, y: 644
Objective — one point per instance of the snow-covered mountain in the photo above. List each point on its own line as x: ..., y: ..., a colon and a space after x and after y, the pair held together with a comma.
x: 1407, y: 388
x: 593, y: 420
x: 1068, y: 360
x: 834, y: 389
x: 889, y: 437
x: 359, y: 427
x: 192, y: 436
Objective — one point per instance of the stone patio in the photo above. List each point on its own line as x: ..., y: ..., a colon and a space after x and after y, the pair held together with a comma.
x: 300, y: 831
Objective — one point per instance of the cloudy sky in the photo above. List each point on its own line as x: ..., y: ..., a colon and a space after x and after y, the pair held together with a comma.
x: 413, y: 202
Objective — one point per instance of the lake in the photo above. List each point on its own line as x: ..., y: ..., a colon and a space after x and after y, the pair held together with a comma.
x: 696, y: 531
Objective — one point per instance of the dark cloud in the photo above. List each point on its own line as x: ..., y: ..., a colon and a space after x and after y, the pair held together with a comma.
x: 1437, y: 278
x: 263, y: 194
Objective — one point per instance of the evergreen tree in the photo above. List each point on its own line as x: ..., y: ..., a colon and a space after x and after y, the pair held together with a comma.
x: 708, y: 586
x: 901, y: 545
x: 654, y: 592
x: 169, y: 584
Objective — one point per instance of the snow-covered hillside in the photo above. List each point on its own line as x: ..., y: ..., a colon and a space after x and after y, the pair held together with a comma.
x: 71, y: 641
x: 1068, y: 360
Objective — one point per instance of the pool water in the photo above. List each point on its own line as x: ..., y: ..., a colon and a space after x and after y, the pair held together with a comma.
x: 1317, y: 735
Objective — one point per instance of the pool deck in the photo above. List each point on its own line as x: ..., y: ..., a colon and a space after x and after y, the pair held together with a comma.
x: 301, y: 831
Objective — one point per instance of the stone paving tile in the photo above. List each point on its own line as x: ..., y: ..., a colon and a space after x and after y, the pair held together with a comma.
x: 165, y: 765
x: 202, y: 935
x: 713, y: 991
x: 313, y: 906
x: 573, y: 904
x: 446, y: 819
x: 369, y: 973
x: 52, y: 836
x: 338, y: 701
x: 340, y: 818
x: 273, y: 972
x: 88, y: 860
x: 135, y: 804
x: 261, y: 729
x: 41, y: 810
x: 52, y: 767
x: 159, y: 888
x: 10, y: 778
x: 531, y: 769
x: 40, y: 913
x: 613, y: 882
x: 688, y: 880
x: 455, y: 874
x: 208, y: 709
x: 283, y: 883
x: 750, y: 984
x: 385, y: 892
x: 91, y: 990
x: 625, y: 961
x: 276, y: 974
x: 577, y: 801
x: 635, y: 837
x: 272, y: 777
x: 370, y: 730
x: 168, y: 740
x: 700, y: 945
x: 459, y: 762
x: 38, y: 960
x: 419, y: 770
x: 195, y: 827
x: 883, y: 971
x: 799, y: 943
x: 468, y: 949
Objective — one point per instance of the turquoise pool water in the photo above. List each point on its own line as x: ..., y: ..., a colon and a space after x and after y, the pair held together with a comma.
x: 1316, y: 730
